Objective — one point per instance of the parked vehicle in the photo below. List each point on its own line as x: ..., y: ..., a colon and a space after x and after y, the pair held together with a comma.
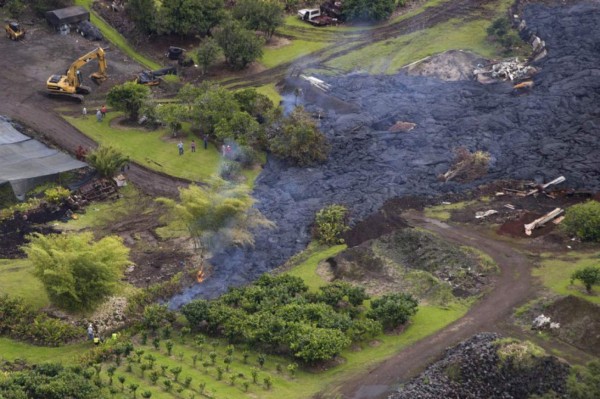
x: 89, y: 31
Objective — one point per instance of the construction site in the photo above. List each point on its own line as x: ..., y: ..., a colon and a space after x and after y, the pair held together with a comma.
x: 431, y: 155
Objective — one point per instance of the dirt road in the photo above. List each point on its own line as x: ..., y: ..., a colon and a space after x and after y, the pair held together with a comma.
x: 512, y: 287
x: 25, y: 67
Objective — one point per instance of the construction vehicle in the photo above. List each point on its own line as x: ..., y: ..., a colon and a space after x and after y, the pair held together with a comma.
x: 14, y: 31
x: 69, y: 85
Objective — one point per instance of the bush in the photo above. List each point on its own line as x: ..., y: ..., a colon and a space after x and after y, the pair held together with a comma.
x: 393, y: 310
x: 374, y: 10
x: 312, y: 344
x: 41, y: 6
x: 76, y: 271
x: 298, y: 140
x: 240, y: 46
x: 57, y: 195
x: 589, y: 276
x: 106, y: 160
x: 501, y: 31
x: 247, y: 157
x: 195, y: 312
x: 229, y: 170
x: 583, y: 221
x: 20, y: 321
x: 330, y: 224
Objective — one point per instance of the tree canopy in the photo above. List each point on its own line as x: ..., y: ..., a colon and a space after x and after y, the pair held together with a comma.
x: 187, y: 17
x: 589, y: 276
x: 128, y: 97
x: 583, y: 220
x: 240, y: 46
x: 76, y: 271
x: 262, y: 15
x: 220, y: 213
x: 368, y: 10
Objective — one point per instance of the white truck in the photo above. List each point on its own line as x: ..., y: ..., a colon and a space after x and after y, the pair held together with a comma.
x: 315, y: 16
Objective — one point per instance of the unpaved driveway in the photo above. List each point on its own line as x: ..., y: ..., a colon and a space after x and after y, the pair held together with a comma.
x: 512, y: 287
x: 24, y: 68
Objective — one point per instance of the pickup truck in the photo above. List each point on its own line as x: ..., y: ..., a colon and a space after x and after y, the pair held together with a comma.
x: 315, y: 17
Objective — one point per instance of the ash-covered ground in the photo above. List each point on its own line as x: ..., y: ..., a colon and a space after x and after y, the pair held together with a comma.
x: 554, y: 130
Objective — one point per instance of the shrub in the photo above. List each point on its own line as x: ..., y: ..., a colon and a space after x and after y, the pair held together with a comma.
x: 312, y: 344
x: 589, y: 276
x: 77, y: 272
x: 298, y: 140
x: 20, y: 321
x: 106, y: 160
x: 56, y: 195
x: 374, y: 10
x: 229, y: 170
x: 330, y: 224
x: 393, y: 310
x: 501, y: 31
x: 583, y: 220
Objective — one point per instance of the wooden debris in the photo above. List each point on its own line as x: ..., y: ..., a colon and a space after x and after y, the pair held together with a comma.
x: 541, y: 188
x: 509, y: 206
x: 402, y: 126
x: 481, y: 214
x: 541, y: 221
x: 558, y: 220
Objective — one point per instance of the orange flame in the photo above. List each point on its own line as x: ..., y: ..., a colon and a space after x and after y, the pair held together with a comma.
x: 200, y: 275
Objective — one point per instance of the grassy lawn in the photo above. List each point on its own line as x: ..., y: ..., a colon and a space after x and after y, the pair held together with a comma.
x: 310, y: 259
x: 11, y: 350
x: 16, y: 280
x: 115, y: 37
x: 297, y: 48
x: 384, y: 57
x: 270, y: 91
x: 555, y: 273
x: 153, y: 149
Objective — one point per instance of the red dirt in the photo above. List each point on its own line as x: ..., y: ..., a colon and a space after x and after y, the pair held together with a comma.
x: 515, y: 228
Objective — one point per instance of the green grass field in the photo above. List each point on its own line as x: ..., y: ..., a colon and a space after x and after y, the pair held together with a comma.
x: 156, y: 150
x: 443, y: 212
x: 11, y: 350
x: 307, y: 268
x: 17, y: 280
x: 297, y: 48
x: 555, y: 273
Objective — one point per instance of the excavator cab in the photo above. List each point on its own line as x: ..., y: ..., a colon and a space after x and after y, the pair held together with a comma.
x: 70, y: 85
x: 14, y: 31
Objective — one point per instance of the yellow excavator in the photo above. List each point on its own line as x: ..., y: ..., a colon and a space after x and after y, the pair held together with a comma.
x: 14, y: 31
x: 69, y: 85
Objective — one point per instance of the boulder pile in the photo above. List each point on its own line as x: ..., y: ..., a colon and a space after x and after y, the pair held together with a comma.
x: 474, y: 369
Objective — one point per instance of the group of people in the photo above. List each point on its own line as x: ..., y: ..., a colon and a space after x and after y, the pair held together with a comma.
x: 180, y: 146
x: 100, y: 113
x: 97, y: 339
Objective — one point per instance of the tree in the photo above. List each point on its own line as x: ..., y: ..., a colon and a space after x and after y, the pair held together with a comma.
x: 211, y: 104
x: 393, y: 310
x: 589, y: 276
x: 143, y: 13
x: 206, y: 53
x: 241, y: 127
x: 262, y: 15
x: 171, y: 115
x: 128, y: 97
x: 299, y: 140
x: 187, y: 17
x: 367, y: 10
x: 330, y: 224
x: 256, y: 104
x: 583, y: 220
x: 77, y: 272
x: 313, y: 344
x: 240, y: 46
x: 15, y: 8
x: 584, y: 382
x: 106, y: 160
x: 219, y: 213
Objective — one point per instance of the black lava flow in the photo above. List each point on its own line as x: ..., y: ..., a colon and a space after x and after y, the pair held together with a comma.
x: 552, y: 131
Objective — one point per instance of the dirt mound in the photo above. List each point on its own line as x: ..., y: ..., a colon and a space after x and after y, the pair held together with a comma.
x: 384, y: 221
x: 450, y: 65
x: 579, y: 322
x: 476, y: 369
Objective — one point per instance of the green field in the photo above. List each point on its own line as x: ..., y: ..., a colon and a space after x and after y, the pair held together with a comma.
x: 16, y: 280
x: 156, y: 149
x: 68, y: 354
x: 555, y: 273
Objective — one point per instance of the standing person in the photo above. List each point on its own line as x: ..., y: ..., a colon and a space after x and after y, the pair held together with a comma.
x: 90, y: 332
x: 103, y: 110
x: 223, y: 149
x: 228, y: 150
x: 180, y: 146
x: 98, y: 115
x: 84, y: 112
x: 193, y: 146
x: 205, y: 139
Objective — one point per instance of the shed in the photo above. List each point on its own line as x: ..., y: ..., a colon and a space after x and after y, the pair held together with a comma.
x: 67, y: 16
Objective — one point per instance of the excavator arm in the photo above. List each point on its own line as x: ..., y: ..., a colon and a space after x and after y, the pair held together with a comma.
x: 70, y: 83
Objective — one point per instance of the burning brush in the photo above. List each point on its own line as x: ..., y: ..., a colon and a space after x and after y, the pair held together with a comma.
x: 200, y: 276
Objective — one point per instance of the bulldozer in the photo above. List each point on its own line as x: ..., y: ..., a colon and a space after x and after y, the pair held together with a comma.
x: 14, y: 31
x: 69, y: 85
